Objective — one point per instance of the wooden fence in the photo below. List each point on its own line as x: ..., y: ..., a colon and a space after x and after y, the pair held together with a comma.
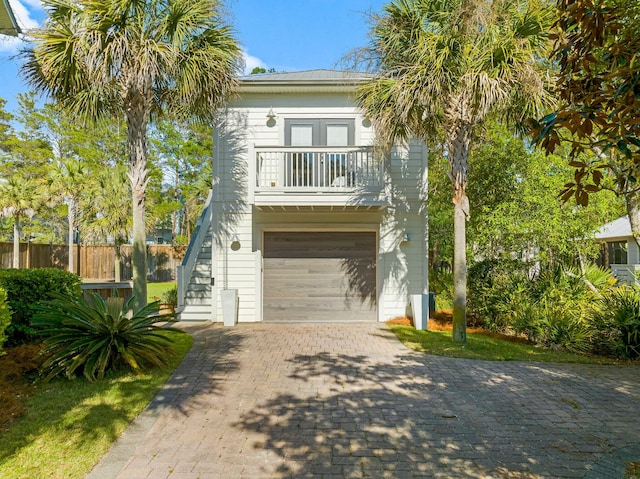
x: 96, y: 262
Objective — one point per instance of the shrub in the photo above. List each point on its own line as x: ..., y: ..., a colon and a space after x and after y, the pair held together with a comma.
x: 441, y: 283
x: 170, y: 296
x: 496, y: 288
x: 94, y: 338
x: 5, y: 317
x: 616, y: 323
x: 25, y: 288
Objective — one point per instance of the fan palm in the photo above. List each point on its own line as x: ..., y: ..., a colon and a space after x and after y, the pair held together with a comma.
x: 19, y: 198
x: 137, y: 59
x: 446, y: 66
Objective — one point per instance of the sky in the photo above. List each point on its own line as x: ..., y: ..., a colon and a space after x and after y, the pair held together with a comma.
x: 287, y: 35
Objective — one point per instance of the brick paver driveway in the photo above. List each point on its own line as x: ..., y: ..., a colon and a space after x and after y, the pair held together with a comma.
x: 348, y: 400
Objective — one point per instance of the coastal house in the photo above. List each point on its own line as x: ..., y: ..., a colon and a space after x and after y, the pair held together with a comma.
x: 307, y: 220
x: 618, y: 250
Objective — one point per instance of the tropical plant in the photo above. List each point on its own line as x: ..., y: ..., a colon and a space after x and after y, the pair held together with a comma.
x: 19, y: 199
x: 66, y: 181
x: 107, y: 217
x: 449, y: 66
x: 616, y: 323
x: 101, y: 335
x: 134, y: 59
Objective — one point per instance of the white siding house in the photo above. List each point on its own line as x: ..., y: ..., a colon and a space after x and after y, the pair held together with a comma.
x: 306, y: 219
x: 619, y: 251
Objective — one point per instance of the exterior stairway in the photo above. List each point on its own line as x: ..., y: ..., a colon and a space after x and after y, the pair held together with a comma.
x: 194, y: 275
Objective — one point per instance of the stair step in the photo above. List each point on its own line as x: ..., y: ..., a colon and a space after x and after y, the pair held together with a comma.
x: 194, y: 287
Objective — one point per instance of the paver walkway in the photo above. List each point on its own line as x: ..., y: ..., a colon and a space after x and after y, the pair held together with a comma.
x: 350, y: 401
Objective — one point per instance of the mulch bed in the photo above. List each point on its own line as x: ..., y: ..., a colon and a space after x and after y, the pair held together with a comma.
x: 15, y: 364
x: 442, y: 320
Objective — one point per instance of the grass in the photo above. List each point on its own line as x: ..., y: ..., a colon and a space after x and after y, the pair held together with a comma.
x: 481, y: 346
x: 155, y: 290
x: 69, y: 425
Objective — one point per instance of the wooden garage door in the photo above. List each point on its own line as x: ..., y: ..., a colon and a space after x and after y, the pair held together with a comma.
x: 319, y: 276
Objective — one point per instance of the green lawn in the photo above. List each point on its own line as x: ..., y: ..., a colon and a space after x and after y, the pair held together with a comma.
x: 155, y: 290
x: 480, y: 346
x: 69, y: 425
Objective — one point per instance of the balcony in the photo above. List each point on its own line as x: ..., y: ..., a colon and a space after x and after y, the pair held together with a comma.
x: 318, y: 176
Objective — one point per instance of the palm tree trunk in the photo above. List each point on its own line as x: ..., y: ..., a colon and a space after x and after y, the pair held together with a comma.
x: 458, y: 150
x: 460, y: 267
x: 71, y: 216
x: 137, y: 144
x: 16, y: 242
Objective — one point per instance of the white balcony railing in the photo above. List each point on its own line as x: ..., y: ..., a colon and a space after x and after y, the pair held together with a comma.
x: 317, y: 169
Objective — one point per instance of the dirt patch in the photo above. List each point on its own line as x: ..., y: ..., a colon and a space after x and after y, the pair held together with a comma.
x: 442, y: 320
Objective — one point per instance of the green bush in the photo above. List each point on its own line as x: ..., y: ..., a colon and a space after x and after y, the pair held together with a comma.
x: 441, y: 283
x: 5, y: 317
x: 94, y: 338
x: 496, y: 288
x: 616, y: 323
x: 170, y: 296
x: 25, y: 288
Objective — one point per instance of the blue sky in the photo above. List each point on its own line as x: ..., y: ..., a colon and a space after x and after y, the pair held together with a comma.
x: 287, y: 35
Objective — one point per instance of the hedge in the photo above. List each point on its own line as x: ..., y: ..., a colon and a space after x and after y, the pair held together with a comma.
x: 25, y: 288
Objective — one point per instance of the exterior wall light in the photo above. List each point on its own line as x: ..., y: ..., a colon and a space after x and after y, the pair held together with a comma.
x: 235, y: 243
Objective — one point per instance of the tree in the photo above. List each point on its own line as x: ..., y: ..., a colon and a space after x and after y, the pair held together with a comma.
x: 68, y: 181
x: 449, y: 65
x: 597, y: 48
x: 19, y: 198
x: 513, y: 190
x: 184, y: 154
x: 135, y: 59
x: 108, y: 216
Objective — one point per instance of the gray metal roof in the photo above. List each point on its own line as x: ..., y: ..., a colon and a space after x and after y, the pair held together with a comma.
x: 619, y: 228
x: 8, y: 24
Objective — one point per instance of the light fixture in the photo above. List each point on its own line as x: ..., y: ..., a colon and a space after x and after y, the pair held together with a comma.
x: 271, y: 116
x: 235, y: 243
x: 405, y: 238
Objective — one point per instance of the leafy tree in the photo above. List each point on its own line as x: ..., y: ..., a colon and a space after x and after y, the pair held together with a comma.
x: 513, y: 190
x: 28, y: 151
x: 184, y: 153
x: 449, y: 65
x: 597, y: 48
x: 135, y: 59
x: 260, y: 70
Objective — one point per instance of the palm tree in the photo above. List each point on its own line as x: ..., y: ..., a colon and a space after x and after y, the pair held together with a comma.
x: 68, y: 182
x: 446, y: 66
x: 138, y: 59
x: 19, y: 198
x: 107, y: 216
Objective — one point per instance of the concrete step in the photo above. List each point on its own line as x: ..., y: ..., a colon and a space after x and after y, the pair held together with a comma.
x: 200, y: 279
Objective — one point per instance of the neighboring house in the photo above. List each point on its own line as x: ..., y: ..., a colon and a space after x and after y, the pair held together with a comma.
x: 306, y: 219
x: 618, y: 250
x: 8, y: 24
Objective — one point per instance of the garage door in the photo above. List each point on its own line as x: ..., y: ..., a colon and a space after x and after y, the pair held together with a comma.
x: 319, y: 276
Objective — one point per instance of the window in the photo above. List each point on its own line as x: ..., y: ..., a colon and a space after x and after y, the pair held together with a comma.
x: 617, y: 252
x: 319, y: 168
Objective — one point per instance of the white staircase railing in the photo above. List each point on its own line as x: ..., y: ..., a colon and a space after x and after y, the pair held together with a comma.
x: 185, y: 270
